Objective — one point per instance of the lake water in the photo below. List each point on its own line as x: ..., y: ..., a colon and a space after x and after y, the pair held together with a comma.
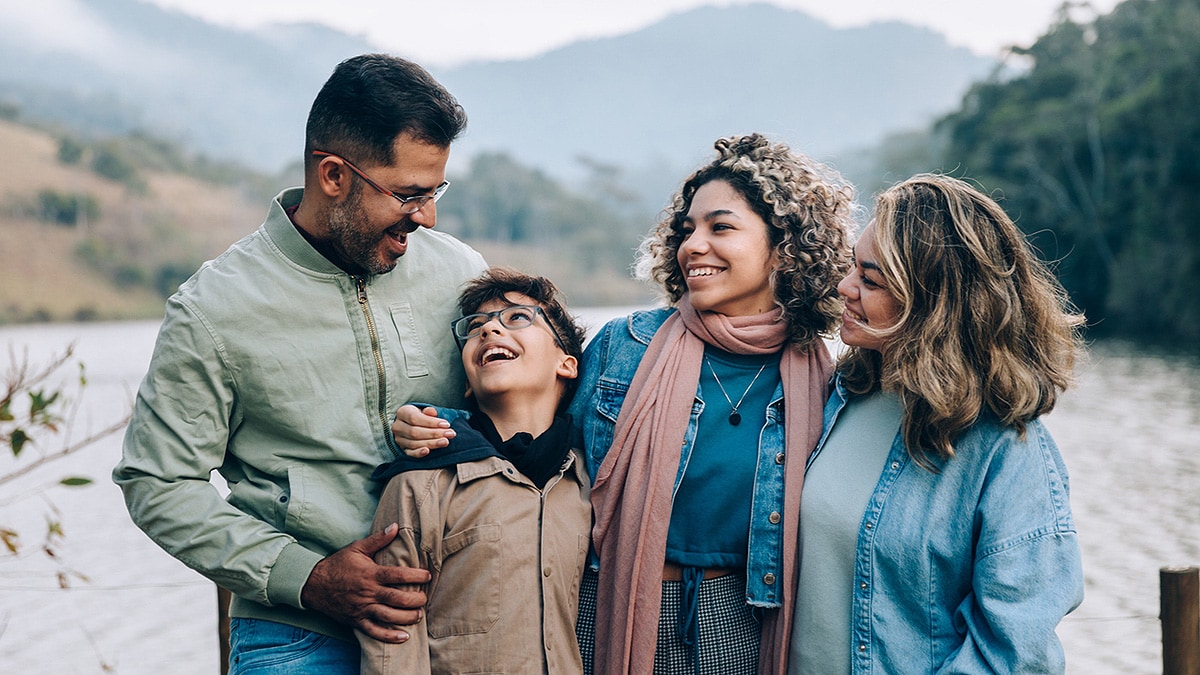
x: 1130, y: 433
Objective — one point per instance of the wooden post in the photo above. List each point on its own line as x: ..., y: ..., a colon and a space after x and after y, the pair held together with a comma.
x: 223, y: 627
x: 1180, y: 600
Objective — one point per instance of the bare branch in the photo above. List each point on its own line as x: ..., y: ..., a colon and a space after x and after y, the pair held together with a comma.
x: 55, y: 456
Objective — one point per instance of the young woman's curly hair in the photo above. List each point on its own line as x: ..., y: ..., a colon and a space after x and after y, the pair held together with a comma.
x: 983, y: 325
x: 809, y: 211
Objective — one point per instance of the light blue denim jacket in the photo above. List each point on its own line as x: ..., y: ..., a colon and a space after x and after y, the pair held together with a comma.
x: 609, y: 364
x: 970, y: 569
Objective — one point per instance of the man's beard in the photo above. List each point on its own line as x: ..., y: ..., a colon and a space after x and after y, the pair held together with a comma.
x: 357, y: 245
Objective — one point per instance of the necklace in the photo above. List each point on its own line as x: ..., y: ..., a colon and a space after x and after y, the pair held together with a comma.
x: 735, y: 417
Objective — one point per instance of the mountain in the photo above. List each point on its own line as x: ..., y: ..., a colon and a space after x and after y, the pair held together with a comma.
x: 652, y: 98
x: 115, y: 66
x: 665, y: 93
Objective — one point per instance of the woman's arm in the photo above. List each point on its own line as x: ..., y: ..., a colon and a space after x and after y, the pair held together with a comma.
x: 1027, y: 570
x: 419, y: 430
x: 1020, y: 596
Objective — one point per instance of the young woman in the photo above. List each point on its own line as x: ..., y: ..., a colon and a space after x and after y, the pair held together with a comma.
x: 696, y: 451
x: 697, y: 419
x: 936, y: 533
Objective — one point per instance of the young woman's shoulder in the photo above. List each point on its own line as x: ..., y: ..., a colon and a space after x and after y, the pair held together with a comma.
x: 643, y: 324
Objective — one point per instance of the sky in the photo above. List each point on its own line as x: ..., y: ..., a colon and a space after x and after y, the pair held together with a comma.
x: 450, y: 32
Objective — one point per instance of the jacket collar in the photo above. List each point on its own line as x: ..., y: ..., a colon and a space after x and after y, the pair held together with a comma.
x: 490, y: 466
x: 644, y: 324
x: 284, y: 235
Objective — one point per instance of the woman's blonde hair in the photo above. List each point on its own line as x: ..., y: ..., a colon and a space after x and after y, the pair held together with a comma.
x: 983, y: 322
x: 808, y: 208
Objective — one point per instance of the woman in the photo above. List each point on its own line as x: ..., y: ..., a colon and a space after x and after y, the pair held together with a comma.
x: 936, y: 499
x: 697, y: 455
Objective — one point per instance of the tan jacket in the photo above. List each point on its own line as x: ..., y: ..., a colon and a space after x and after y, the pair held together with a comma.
x: 506, y: 560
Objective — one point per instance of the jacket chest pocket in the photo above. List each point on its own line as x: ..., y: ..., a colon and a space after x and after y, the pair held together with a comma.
x: 609, y: 397
x: 466, y: 598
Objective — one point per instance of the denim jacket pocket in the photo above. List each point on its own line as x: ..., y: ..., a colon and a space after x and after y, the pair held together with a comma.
x: 609, y: 396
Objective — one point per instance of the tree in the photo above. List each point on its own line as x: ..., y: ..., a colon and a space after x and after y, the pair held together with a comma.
x: 1096, y: 151
x: 35, y: 424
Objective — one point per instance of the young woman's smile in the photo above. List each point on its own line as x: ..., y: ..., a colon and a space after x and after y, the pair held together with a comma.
x: 869, y: 303
x: 726, y: 254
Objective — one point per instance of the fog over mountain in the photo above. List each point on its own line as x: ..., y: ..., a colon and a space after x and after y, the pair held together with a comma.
x: 655, y: 97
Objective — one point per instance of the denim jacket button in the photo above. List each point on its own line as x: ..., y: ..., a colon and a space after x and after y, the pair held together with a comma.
x: 895, y: 465
x: 774, y: 518
x: 868, y: 526
x: 779, y: 458
x: 862, y: 648
x: 863, y: 585
x: 768, y: 578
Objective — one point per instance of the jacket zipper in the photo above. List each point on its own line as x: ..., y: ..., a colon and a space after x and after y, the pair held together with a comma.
x: 366, y: 309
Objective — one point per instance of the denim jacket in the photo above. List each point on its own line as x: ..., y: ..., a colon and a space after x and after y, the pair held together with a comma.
x: 609, y: 364
x: 970, y: 569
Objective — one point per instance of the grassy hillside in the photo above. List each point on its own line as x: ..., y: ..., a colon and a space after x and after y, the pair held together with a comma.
x: 106, y: 266
x: 76, y: 246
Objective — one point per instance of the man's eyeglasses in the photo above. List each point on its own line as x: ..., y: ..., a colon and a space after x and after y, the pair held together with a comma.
x: 408, y: 205
x: 512, y: 318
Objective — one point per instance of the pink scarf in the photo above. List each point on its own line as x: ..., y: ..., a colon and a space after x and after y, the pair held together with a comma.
x: 631, y: 495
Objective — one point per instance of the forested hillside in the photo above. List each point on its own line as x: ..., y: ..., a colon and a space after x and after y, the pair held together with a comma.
x: 107, y: 229
x: 1097, y: 153
x: 1094, y: 147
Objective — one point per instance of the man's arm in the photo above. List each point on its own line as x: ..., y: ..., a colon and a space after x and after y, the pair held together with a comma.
x: 351, y: 587
x: 177, y: 438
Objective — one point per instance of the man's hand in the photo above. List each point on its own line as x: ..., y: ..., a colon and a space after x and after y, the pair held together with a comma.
x: 350, y: 587
x: 418, y: 431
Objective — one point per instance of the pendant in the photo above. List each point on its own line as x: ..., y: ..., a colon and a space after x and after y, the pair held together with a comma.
x: 735, y: 418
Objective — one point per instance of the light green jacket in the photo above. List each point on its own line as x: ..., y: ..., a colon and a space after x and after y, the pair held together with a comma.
x: 282, y: 372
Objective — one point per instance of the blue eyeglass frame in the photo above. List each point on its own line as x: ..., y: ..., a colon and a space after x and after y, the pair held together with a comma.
x: 499, y: 314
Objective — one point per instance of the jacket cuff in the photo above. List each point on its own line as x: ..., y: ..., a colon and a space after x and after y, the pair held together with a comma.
x: 290, y: 573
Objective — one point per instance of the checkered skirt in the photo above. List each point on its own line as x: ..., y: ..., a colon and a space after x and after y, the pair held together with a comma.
x: 730, y: 631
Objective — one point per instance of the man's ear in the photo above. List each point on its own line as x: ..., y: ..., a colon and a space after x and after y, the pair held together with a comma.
x: 333, y: 178
x: 568, y: 367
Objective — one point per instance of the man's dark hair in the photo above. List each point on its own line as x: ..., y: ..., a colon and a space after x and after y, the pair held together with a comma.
x: 371, y: 99
x: 496, y: 281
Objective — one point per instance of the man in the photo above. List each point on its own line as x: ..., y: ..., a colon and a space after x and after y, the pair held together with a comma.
x: 280, y: 363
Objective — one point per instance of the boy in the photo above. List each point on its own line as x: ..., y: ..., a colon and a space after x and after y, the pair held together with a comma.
x: 501, y: 517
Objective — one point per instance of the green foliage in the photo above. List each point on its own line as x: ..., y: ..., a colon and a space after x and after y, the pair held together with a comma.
x: 502, y: 201
x: 170, y: 276
x: 70, y: 151
x: 68, y: 209
x: 110, y: 161
x: 35, y: 412
x: 1096, y: 151
x: 39, y: 408
x: 129, y: 271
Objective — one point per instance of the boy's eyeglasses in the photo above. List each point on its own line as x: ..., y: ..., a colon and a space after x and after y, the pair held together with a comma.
x: 514, y: 317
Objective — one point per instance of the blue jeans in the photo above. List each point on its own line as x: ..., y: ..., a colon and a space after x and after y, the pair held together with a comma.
x: 258, y: 647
